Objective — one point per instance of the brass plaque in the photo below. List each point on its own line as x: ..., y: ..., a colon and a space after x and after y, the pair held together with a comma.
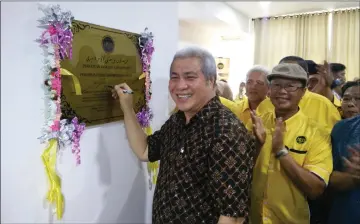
x: 101, y: 57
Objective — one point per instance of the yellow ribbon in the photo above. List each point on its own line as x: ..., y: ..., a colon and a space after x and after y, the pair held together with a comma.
x: 54, y: 195
x: 76, y: 82
x: 152, y: 167
x: 142, y: 76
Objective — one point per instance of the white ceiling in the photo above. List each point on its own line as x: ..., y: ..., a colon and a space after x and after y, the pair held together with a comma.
x: 256, y: 9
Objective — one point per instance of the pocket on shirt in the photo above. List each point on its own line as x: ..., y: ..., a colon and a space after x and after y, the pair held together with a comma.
x: 298, y: 154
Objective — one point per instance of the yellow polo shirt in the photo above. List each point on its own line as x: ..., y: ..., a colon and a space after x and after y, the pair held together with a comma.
x: 244, y: 112
x: 274, y: 197
x: 231, y: 106
x: 238, y: 99
x: 227, y: 103
x: 312, y: 105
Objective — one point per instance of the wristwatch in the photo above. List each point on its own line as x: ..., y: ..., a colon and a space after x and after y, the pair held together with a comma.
x: 281, y: 153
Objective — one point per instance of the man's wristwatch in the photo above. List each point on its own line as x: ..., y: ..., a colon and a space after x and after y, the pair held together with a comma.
x: 281, y: 153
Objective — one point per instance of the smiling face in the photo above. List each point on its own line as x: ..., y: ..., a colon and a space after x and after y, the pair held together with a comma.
x: 256, y: 87
x: 351, y: 102
x: 285, y: 94
x: 188, y: 87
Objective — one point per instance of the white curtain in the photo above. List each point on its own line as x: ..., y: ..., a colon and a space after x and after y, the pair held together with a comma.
x: 302, y: 35
x: 345, y: 46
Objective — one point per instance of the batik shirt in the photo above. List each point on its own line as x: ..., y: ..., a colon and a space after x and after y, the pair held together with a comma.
x: 206, y: 167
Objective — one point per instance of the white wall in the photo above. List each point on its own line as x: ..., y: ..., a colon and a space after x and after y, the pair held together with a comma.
x: 111, y: 185
x: 213, y: 12
x: 203, y: 23
x: 240, y: 51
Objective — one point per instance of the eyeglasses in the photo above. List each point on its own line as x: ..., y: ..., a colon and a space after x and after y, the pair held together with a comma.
x: 348, y: 99
x: 288, y: 87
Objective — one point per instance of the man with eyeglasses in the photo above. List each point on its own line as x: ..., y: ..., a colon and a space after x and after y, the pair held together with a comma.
x: 295, y: 162
x: 313, y: 105
x: 256, y: 89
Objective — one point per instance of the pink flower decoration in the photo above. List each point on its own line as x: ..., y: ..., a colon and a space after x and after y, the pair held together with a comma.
x: 55, y: 126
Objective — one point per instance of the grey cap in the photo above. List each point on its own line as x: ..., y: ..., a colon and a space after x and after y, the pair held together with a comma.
x: 288, y: 70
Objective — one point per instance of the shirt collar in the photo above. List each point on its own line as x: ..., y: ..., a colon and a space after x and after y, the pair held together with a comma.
x: 292, y: 122
x: 246, y: 105
x: 201, y: 115
x: 337, y: 101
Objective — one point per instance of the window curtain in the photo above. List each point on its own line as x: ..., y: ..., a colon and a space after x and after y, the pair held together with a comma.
x: 302, y: 35
x: 345, y: 40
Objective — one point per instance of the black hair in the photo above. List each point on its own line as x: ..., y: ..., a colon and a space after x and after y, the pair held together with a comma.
x: 298, y: 60
x: 311, y: 67
x: 337, y: 67
x: 348, y: 85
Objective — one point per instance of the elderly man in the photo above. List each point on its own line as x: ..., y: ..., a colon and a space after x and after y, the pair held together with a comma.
x: 295, y: 162
x: 206, y: 153
x: 256, y: 91
x: 313, y: 105
x: 345, y: 180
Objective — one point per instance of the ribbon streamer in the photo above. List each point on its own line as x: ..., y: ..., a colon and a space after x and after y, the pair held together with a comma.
x: 54, y: 195
x: 76, y: 82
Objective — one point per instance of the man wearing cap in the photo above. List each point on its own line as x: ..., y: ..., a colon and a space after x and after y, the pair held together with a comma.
x: 295, y: 162
x: 313, y: 105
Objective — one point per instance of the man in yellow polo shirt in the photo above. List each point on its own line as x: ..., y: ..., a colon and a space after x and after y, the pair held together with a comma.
x: 295, y: 162
x: 256, y: 90
x: 312, y: 105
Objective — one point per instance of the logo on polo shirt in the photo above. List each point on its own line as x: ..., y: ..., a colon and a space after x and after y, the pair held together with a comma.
x: 301, y: 139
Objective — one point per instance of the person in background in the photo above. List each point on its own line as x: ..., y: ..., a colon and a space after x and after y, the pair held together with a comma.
x: 338, y: 73
x: 351, y: 99
x: 224, y: 90
x: 344, y: 187
x: 321, y: 80
x: 206, y: 153
x: 242, y: 94
x: 256, y: 87
x: 295, y: 162
x: 312, y: 105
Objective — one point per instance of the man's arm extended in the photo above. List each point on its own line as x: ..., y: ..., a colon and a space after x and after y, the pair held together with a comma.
x: 136, y: 136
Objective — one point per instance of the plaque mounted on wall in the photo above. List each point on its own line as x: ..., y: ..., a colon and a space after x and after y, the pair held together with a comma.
x: 102, y: 57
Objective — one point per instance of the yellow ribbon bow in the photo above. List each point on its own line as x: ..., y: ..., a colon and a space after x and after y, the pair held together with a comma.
x: 54, y: 195
x: 76, y: 82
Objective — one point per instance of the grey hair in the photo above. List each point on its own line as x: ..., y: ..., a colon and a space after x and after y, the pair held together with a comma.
x: 207, y: 60
x: 259, y: 68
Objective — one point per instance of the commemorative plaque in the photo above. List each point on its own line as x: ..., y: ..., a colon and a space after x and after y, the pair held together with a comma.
x: 102, y: 58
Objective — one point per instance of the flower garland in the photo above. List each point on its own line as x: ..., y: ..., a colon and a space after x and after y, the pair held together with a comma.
x: 145, y: 115
x: 56, y: 42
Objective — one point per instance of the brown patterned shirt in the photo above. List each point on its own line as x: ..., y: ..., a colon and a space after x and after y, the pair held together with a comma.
x: 206, y: 167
